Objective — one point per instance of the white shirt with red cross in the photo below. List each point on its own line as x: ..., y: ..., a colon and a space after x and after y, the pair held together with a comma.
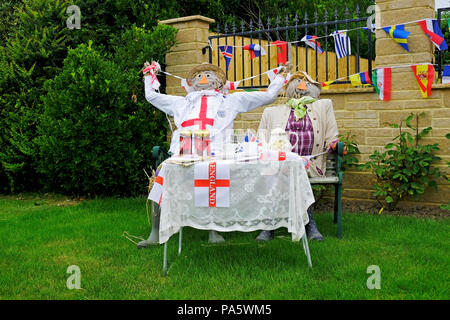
x: 209, y: 109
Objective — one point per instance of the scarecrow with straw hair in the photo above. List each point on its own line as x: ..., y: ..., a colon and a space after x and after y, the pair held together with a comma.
x: 311, y: 128
x: 205, y: 107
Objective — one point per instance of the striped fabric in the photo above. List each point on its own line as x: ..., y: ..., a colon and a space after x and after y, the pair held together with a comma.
x: 342, y: 44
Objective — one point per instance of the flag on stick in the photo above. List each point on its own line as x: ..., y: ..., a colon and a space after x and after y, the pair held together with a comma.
x: 433, y: 31
x: 227, y: 52
x: 399, y: 34
x: 425, y: 76
x: 382, y: 80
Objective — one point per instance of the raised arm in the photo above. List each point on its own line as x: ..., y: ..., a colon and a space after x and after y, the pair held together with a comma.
x: 247, y: 101
x: 163, y: 102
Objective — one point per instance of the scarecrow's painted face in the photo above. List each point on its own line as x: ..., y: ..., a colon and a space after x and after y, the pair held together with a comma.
x: 298, y: 88
x: 206, y: 80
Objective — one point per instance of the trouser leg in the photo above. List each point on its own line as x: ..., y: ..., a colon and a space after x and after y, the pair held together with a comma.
x: 311, y: 229
x: 153, y: 239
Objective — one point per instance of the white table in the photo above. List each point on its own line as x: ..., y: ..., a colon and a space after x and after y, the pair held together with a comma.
x: 264, y: 195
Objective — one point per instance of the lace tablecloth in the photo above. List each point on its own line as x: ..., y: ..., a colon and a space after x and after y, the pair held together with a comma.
x: 264, y: 195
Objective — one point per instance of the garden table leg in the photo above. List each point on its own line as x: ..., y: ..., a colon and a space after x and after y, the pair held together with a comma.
x: 180, y: 238
x: 306, y: 248
x: 165, y: 258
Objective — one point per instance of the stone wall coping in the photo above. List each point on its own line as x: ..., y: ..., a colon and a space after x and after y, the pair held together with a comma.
x: 440, y: 86
x: 187, y: 19
x: 347, y: 90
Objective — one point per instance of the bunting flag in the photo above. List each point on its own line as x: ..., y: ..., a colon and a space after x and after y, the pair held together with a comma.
x: 313, y: 43
x: 446, y: 75
x: 382, y: 80
x: 433, y: 31
x: 282, y: 51
x: 229, y: 85
x: 360, y: 79
x: 399, y: 34
x: 227, y: 52
x: 326, y: 85
x: 342, y: 44
x: 255, y: 50
x: 425, y: 76
x: 212, y: 184
x: 272, y: 74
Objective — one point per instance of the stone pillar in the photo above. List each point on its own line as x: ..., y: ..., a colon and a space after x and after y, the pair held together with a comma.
x: 390, y: 53
x: 191, y: 38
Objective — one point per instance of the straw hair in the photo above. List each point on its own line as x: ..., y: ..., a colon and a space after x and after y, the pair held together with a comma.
x: 207, y: 67
x: 302, y: 75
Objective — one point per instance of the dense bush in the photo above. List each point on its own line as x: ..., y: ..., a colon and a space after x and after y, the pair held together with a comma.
x: 33, y: 53
x: 93, y: 138
x: 406, y: 167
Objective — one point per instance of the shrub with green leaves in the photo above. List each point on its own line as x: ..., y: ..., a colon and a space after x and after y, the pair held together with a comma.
x: 350, y: 160
x: 34, y: 52
x: 405, y: 168
x: 94, y: 139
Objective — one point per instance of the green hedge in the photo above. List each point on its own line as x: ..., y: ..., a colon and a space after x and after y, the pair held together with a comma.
x: 40, y: 99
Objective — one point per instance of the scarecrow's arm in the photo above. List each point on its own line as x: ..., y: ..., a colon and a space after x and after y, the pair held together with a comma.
x: 247, y: 101
x: 165, y: 103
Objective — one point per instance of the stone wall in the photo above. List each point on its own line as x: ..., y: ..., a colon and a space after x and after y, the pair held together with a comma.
x: 357, y: 110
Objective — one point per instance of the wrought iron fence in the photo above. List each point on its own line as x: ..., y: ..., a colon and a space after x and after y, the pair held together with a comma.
x: 440, y: 54
x: 362, y: 43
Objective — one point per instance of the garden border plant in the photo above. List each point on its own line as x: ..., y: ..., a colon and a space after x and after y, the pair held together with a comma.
x: 405, y: 168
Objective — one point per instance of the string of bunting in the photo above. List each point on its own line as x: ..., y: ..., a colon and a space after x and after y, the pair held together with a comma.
x: 381, y: 79
x: 342, y: 41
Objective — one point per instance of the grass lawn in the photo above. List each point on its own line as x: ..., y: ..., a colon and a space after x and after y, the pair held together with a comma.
x: 41, y: 237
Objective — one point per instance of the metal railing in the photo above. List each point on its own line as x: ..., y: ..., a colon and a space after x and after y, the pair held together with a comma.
x: 293, y: 32
x: 440, y: 54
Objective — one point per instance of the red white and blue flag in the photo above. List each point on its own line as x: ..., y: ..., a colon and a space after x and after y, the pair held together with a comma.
x: 255, y: 50
x: 313, y: 43
x: 250, y: 137
x: 433, y: 31
x: 227, y: 52
x: 446, y: 75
